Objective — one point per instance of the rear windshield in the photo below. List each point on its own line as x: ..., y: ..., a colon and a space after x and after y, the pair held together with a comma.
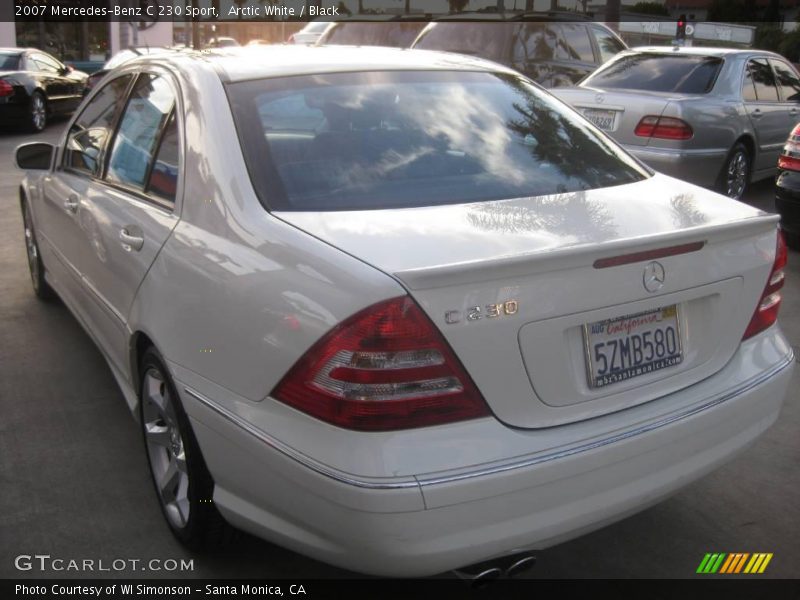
x: 394, y: 35
x: 683, y: 74
x: 487, y: 40
x: 350, y: 141
x: 9, y: 62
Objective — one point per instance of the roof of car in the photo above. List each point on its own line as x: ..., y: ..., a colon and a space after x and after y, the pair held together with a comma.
x: 256, y: 62
x: 697, y: 50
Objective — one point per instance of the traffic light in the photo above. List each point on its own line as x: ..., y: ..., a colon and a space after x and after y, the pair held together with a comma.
x: 680, y: 32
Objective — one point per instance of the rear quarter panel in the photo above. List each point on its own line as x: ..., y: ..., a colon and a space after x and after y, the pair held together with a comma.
x: 236, y: 295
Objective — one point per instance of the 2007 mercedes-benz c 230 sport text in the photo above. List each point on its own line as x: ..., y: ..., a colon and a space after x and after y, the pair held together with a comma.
x: 401, y: 311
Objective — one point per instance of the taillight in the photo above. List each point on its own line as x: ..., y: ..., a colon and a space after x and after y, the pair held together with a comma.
x: 770, y: 302
x: 790, y: 155
x: 385, y: 368
x: 668, y: 128
x: 6, y: 89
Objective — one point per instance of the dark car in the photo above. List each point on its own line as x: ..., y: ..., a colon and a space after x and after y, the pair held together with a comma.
x: 34, y: 86
x: 552, y: 53
x: 391, y: 31
x: 787, y: 189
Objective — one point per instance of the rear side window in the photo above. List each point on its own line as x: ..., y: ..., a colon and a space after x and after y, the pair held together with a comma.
x: 606, y: 43
x: 164, y: 174
x: 407, y: 138
x: 9, y: 62
x: 487, y: 40
x: 575, y: 44
x: 764, y: 80
x: 536, y: 41
x: 684, y: 74
x: 135, y: 143
x: 788, y: 81
x: 88, y: 134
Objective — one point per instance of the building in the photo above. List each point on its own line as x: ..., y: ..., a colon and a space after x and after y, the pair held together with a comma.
x: 81, y: 42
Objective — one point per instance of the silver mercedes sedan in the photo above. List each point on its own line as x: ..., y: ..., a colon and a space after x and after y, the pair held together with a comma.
x: 716, y: 117
x: 401, y: 311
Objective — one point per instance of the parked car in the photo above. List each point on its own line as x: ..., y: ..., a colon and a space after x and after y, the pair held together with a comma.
x: 379, y: 30
x: 222, y: 42
x: 713, y: 116
x: 551, y: 53
x: 120, y: 58
x: 310, y: 33
x: 787, y: 188
x: 400, y: 311
x: 35, y: 86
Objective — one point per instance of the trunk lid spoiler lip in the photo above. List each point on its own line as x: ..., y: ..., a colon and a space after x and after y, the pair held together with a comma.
x: 571, y: 256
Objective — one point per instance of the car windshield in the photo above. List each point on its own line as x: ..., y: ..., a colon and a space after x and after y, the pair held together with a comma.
x: 487, y: 40
x: 350, y: 141
x: 395, y: 35
x: 684, y: 74
x: 315, y: 27
x: 9, y: 62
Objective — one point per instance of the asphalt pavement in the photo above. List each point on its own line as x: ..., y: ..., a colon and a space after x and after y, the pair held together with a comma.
x: 74, y: 482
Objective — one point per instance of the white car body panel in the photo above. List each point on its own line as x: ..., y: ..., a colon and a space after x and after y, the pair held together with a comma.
x: 235, y: 295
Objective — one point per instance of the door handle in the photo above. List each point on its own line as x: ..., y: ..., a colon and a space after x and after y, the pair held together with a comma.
x: 129, y: 241
x: 71, y: 204
x: 793, y: 111
x: 756, y: 114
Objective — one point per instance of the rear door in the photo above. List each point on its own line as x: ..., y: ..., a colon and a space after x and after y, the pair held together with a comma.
x: 131, y: 207
x: 768, y: 115
x: 59, y: 90
x: 789, y: 87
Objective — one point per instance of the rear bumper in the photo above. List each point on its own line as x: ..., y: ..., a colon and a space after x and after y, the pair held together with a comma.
x: 787, y: 200
x: 430, y: 523
x: 701, y: 167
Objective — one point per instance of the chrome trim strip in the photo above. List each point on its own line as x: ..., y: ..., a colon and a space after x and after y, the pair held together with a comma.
x: 296, y: 456
x: 747, y: 386
x: 421, y: 481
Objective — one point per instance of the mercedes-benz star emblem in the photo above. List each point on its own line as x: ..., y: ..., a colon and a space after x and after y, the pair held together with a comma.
x: 654, y: 276
x: 599, y: 98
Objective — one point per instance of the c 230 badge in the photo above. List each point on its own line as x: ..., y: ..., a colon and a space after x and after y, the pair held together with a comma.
x: 476, y: 313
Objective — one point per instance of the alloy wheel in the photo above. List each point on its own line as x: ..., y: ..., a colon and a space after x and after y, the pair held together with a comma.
x: 736, y: 175
x: 30, y: 247
x: 38, y: 112
x: 165, y: 447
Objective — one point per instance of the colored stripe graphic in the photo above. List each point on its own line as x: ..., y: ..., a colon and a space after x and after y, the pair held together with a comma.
x: 734, y: 563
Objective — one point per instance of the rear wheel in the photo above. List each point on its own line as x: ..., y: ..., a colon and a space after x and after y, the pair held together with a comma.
x: 182, y: 481
x: 41, y: 288
x: 735, y: 173
x: 37, y: 112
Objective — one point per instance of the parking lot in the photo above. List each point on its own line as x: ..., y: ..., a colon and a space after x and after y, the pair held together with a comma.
x: 74, y: 482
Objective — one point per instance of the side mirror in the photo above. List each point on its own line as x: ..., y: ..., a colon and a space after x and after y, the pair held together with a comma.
x: 34, y: 156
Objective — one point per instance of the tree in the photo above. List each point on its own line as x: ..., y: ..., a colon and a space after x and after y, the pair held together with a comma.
x: 343, y: 10
x: 457, y: 5
x: 612, y: 13
x: 650, y: 8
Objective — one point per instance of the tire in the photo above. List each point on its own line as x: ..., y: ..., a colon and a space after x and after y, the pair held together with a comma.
x: 37, y: 113
x: 41, y: 288
x: 735, y: 175
x: 183, y: 485
x: 792, y: 240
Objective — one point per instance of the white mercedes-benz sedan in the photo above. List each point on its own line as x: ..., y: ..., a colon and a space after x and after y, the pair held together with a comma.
x: 400, y: 311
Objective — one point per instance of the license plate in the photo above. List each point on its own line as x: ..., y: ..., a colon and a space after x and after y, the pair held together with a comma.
x: 603, y: 119
x: 626, y: 347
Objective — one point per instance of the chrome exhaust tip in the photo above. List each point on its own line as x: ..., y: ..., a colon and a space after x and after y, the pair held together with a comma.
x: 479, y: 576
x: 526, y: 563
x: 482, y: 574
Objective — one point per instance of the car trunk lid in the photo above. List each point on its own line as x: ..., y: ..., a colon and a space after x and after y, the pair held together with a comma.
x: 617, y: 112
x: 515, y: 285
